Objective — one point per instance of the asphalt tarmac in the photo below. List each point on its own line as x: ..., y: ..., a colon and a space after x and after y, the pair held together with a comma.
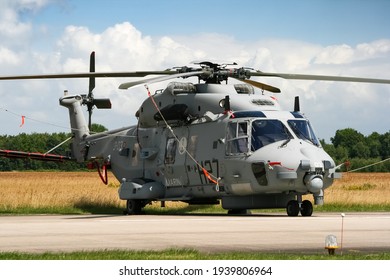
x: 363, y: 232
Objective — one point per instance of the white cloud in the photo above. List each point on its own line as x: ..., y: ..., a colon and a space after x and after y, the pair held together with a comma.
x: 335, y: 55
x: 122, y: 47
x: 8, y: 57
x: 344, y: 54
x: 13, y: 30
x: 10, y: 26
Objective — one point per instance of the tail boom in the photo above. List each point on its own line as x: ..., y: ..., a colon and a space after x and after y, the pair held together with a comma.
x: 78, y: 124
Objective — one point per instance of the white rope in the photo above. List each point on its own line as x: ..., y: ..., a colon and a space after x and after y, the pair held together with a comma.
x: 368, y: 165
x: 63, y: 142
x: 42, y: 122
x: 209, y: 176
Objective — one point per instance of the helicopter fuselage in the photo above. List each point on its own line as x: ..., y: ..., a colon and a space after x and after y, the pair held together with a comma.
x: 188, y: 147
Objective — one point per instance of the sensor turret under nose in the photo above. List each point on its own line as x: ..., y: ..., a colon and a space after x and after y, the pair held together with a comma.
x: 314, y: 182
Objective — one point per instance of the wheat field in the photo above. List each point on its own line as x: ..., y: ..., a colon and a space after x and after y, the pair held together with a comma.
x: 360, y: 189
x: 56, y: 189
x: 46, y: 190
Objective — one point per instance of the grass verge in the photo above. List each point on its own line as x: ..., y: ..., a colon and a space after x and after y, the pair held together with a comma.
x: 176, y: 209
x: 188, y: 254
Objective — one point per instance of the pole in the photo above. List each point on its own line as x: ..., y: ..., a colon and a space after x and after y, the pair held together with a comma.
x: 342, y: 233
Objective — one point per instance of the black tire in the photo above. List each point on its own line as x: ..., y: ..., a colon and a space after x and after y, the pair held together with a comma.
x: 306, y: 208
x: 133, y: 207
x: 292, y: 208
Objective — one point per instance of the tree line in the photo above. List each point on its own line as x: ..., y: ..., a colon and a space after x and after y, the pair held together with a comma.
x: 41, y: 143
x: 348, y: 145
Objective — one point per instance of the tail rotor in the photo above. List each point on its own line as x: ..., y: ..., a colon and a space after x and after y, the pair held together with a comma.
x: 89, y: 100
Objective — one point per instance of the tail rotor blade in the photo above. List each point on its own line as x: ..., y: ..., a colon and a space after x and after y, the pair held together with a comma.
x: 91, y: 70
x: 102, y: 103
x: 90, y: 101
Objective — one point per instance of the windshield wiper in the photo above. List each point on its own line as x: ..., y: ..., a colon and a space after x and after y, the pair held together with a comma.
x: 284, y: 144
x: 289, y: 137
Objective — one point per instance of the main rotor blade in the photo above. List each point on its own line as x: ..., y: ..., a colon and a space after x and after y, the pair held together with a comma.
x: 89, y: 75
x: 320, y: 77
x: 261, y: 85
x: 164, y: 78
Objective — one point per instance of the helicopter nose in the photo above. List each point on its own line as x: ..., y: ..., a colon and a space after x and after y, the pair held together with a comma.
x: 314, y: 182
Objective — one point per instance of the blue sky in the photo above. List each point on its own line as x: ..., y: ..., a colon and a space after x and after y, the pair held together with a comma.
x: 319, y: 21
x: 331, y: 37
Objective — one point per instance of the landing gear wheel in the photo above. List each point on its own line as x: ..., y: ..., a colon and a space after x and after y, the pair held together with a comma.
x: 134, y: 207
x: 292, y: 208
x: 306, y: 208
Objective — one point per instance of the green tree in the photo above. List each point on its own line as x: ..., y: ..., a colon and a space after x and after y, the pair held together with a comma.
x: 384, y: 140
x: 374, y: 144
x: 347, y: 137
x: 341, y: 154
x: 359, y: 150
x: 95, y: 127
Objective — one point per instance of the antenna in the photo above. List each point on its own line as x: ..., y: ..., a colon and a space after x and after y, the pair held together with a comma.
x: 296, y: 104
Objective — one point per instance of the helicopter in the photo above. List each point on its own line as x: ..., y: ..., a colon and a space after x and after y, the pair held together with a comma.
x: 210, y: 142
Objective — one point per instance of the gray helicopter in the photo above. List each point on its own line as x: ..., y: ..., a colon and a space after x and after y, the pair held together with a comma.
x: 209, y: 142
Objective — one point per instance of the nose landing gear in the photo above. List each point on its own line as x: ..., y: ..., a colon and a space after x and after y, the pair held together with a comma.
x: 294, y: 207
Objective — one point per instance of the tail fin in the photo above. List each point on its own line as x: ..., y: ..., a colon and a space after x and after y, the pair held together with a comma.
x: 78, y: 124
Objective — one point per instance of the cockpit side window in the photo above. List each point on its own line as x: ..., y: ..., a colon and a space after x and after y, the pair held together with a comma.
x: 303, y: 130
x: 237, y: 138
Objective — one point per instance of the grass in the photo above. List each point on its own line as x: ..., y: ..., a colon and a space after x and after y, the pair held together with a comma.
x: 187, y: 254
x: 83, y: 193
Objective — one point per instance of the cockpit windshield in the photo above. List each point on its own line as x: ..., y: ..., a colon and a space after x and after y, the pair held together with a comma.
x: 245, y: 136
x: 265, y: 132
x: 303, y: 130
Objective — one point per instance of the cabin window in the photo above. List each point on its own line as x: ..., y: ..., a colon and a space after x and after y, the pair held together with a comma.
x: 170, y: 151
x: 237, y: 138
x: 192, y: 143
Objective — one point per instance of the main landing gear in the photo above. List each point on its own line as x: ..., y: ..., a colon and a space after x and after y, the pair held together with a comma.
x: 294, y: 207
x: 134, y: 206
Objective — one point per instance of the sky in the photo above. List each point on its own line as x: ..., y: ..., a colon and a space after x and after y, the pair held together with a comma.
x: 329, y: 37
